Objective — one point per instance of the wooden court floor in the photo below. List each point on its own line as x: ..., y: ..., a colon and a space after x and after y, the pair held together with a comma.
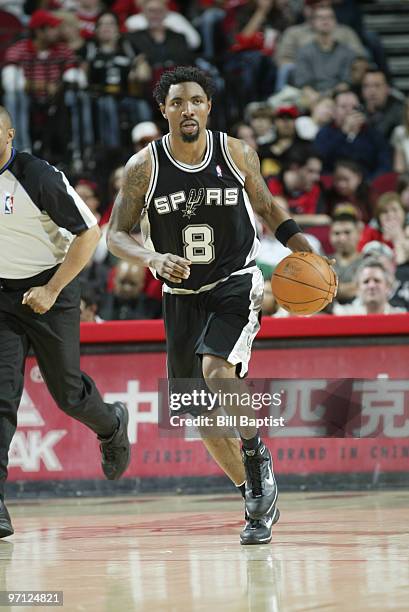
x: 330, y: 551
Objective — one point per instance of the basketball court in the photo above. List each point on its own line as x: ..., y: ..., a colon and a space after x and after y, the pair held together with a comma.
x: 330, y: 551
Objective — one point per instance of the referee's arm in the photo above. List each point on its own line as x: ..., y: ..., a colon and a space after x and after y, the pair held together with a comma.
x: 58, y: 198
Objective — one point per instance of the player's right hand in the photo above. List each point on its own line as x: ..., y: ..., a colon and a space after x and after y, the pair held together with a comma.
x: 171, y: 267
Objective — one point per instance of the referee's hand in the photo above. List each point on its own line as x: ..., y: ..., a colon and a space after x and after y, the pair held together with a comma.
x: 40, y: 299
x: 171, y: 267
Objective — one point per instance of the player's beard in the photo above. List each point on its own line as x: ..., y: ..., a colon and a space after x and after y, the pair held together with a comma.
x: 190, y: 137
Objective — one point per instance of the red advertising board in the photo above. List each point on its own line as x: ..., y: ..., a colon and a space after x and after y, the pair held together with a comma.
x: 50, y: 445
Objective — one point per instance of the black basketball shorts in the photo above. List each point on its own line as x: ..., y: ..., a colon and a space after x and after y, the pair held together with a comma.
x: 222, y: 321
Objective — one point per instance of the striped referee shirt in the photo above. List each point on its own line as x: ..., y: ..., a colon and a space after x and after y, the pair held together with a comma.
x: 39, y: 215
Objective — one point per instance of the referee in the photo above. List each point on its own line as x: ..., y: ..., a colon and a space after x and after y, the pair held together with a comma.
x: 47, y: 235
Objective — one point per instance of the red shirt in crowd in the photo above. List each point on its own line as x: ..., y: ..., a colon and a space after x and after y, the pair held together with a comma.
x: 302, y: 203
x: 42, y: 68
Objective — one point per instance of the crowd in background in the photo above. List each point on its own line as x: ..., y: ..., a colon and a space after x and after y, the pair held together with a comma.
x: 302, y: 82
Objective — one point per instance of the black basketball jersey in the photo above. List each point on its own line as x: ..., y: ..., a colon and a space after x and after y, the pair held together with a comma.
x: 200, y: 212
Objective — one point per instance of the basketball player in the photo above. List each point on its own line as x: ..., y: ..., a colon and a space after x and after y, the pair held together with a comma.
x: 194, y: 192
x: 47, y: 235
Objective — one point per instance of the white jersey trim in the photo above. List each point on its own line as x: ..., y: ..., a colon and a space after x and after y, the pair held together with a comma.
x: 256, y: 242
x: 187, y: 167
x: 229, y: 160
x: 89, y: 219
x: 154, y: 174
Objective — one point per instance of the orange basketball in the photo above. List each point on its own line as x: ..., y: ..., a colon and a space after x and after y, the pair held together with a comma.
x: 304, y: 283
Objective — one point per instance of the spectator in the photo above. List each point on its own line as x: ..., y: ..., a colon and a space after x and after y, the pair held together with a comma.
x: 350, y: 186
x: 384, y: 109
x: 300, y: 35
x: 272, y: 251
x: 299, y: 184
x: 323, y: 65
x: 400, y: 142
x: 143, y: 133
x: 161, y: 47
x: 260, y: 118
x: 128, y: 300
x: 275, y: 155
x: 349, y: 137
x: 70, y: 30
x: 400, y: 288
x: 374, y: 288
x: 389, y: 227
x: 32, y: 80
x: 244, y: 131
x: 114, y: 185
x: 359, y: 68
x: 322, y: 113
x: 172, y: 20
x: 344, y: 236
x: 89, y: 305
x: 109, y: 60
x: 87, y: 190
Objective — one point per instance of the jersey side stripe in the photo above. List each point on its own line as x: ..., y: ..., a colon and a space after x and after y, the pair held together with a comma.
x: 229, y: 160
x: 256, y: 243
x: 154, y: 174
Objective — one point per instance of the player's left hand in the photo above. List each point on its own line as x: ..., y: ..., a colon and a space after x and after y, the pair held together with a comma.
x: 40, y: 299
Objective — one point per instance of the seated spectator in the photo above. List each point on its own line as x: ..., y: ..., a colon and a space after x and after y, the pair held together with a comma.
x: 143, y: 133
x: 359, y: 68
x: 128, y: 300
x: 349, y: 185
x: 110, y: 63
x: 260, y: 118
x: 399, y: 295
x: 297, y: 36
x: 32, y: 79
x: 374, y: 288
x: 244, y: 131
x: 400, y: 142
x: 384, y: 108
x: 275, y: 155
x: 344, y: 236
x: 87, y: 190
x: 323, y: 65
x: 161, y: 47
x: 299, y: 184
x: 389, y: 227
x: 173, y: 21
x: 322, y: 113
x: 402, y: 189
x: 272, y: 251
x: 349, y: 137
x: 89, y: 305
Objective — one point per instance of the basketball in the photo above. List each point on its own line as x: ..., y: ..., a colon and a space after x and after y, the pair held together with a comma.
x: 304, y: 283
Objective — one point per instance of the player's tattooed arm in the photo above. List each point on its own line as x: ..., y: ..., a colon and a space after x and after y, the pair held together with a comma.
x: 127, y: 211
x: 126, y: 214
x: 262, y: 201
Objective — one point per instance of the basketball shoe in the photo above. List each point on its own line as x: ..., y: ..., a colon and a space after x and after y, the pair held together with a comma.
x: 261, y: 487
x: 6, y: 528
x: 258, y: 531
x: 116, y: 451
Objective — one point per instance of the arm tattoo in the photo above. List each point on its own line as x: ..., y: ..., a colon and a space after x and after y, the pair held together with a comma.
x: 258, y: 190
x: 131, y: 198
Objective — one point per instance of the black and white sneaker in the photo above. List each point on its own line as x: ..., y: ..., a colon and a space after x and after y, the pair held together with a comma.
x: 6, y: 528
x: 258, y: 531
x: 261, y: 487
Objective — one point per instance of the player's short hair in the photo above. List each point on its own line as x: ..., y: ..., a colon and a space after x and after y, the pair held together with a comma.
x: 182, y: 74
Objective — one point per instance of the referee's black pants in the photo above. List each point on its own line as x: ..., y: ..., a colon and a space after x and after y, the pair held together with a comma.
x: 54, y: 338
